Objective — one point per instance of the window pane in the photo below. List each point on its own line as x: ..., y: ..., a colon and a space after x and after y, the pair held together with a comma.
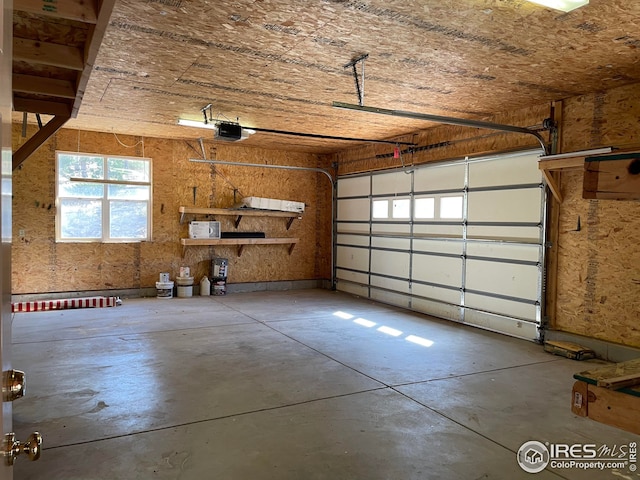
x: 451, y: 207
x: 401, y: 208
x: 425, y: 207
x: 128, y: 192
x: 380, y: 209
x: 128, y: 220
x: 128, y: 169
x: 80, y: 166
x: 80, y: 218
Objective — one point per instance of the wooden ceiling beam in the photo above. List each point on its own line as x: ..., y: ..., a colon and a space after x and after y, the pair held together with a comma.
x: 46, y: 107
x: 94, y: 40
x: 51, y: 54
x: 35, y: 142
x: 49, y: 87
x: 78, y: 10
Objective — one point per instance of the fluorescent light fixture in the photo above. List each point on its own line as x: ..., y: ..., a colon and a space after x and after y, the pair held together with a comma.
x: 196, y: 123
x: 563, y: 5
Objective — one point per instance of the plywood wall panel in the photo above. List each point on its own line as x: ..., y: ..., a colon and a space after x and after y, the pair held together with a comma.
x: 40, y: 265
x: 598, y: 266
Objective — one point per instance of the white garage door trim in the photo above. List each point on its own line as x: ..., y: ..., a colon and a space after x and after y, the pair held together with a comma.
x: 461, y: 240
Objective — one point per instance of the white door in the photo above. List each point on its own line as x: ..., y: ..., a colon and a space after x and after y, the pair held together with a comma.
x: 12, y: 381
x: 459, y: 240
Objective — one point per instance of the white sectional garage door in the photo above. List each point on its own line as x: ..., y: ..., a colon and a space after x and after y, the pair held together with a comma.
x: 460, y: 240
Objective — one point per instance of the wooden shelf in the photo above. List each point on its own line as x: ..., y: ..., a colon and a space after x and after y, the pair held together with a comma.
x: 239, y: 213
x: 240, y: 242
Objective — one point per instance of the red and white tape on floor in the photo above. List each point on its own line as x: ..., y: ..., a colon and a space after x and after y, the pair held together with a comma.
x: 87, y: 302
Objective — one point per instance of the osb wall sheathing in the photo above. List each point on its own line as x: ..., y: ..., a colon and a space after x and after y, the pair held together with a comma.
x: 599, y: 262
x: 40, y: 265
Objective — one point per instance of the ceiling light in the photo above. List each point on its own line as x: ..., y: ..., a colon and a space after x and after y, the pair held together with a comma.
x: 195, y: 123
x: 563, y: 5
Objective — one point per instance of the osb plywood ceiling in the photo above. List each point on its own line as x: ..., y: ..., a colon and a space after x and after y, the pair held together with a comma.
x: 279, y: 64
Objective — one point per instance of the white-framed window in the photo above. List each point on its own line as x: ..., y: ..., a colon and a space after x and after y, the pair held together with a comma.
x: 102, y: 198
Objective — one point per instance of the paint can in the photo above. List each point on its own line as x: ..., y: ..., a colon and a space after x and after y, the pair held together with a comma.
x: 219, y: 267
x: 165, y: 289
x: 219, y: 286
x: 185, y: 286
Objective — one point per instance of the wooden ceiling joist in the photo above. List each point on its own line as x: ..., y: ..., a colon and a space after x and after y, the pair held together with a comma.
x: 50, y: 54
x: 49, y: 87
x: 79, y: 10
x: 46, y: 107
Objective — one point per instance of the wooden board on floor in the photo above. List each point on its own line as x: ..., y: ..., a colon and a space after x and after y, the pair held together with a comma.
x: 604, y: 374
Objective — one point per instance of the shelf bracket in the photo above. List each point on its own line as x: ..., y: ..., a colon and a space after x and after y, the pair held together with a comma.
x: 291, y: 247
x: 290, y: 222
x: 237, y: 222
x: 240, y: 249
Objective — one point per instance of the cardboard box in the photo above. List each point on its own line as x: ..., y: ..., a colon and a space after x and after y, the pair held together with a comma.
x: 204, y: 230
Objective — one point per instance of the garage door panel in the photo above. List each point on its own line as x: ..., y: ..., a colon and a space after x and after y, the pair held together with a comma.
x: 509, y: 308
x: 398, y: 228
x: 446, y: 295
x: 391, y: 298
x: 437, y: 269
x: 447, y: 231
x: 528, y: 253
x: 352, y: 258
x: 438, y: 246
x: 353, y: 187
x: 354, y: 289
x: 391, y: 183
x: 390, y: 263
x: 390, y: 284
x: 497, y: 323
x: 345, y: 239
x: 449, y: 177
x: 353, y: 228
x: 505, y: 205
x: 387, y: 242
x: 513, y: 280
x: 354, y: 209
x: 516, y: 169
x: 437, y: 309
x: 514, y: 234
x: 350, y: 276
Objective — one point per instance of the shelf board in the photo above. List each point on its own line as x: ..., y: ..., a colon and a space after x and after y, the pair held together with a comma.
x: 240, y: 242
x: 239, y: 213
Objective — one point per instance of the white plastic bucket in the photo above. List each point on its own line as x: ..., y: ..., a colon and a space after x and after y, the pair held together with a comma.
x: 164, y: 278
x: 185, y: 286
x: 165, y: 289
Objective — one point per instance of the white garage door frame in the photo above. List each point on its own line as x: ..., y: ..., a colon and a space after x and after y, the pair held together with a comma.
x: 398, y: 242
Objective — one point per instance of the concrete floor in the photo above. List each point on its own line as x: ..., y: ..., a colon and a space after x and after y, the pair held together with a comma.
x: 278, y: 385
